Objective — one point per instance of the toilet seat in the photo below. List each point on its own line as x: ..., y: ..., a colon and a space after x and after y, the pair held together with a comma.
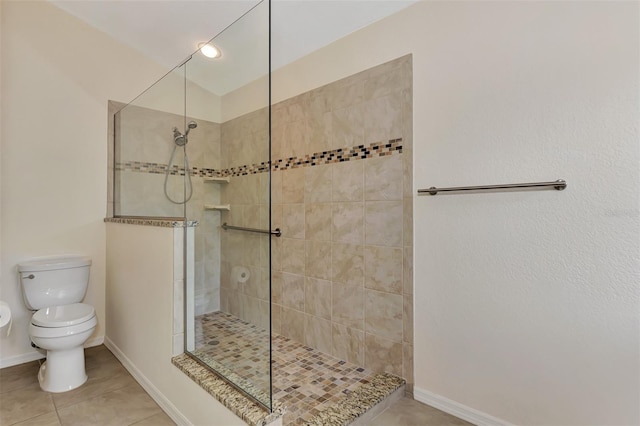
x: 64, y: 320
x: 54, y: 332
x: 64, y: 315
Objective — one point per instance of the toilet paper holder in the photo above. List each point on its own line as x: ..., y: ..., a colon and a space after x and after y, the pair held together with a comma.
x: 240, y: 274
x: 5, y: 317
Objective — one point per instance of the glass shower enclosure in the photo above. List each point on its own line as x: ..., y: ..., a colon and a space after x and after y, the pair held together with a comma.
x: 192, y: 148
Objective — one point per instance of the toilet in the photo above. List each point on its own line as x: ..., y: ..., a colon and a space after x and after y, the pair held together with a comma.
x: 54, y: 288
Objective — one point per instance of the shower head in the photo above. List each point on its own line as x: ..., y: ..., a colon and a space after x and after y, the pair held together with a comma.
x: 179, y: 138
x: 190, y: 125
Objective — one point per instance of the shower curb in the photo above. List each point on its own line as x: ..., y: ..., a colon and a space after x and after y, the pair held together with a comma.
x: 355, y: 404
x: 230, y: 397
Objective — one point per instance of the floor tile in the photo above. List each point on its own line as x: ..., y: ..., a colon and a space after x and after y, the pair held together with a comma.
x: 97, y: 356
x: 108, y: 377
x: 112, y: 397
x: 160, y: 419
x: 121, y: 407
x: 24, y: 403
x: 49, y: 419
x: 409, y: 412
x: 19, y: 376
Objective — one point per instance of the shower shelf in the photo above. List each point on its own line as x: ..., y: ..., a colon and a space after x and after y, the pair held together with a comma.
x: 219, y: 207
x: 217, y: 179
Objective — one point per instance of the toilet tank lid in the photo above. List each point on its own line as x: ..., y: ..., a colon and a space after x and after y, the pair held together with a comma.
x: 62, y: 316
x: 54, y: 262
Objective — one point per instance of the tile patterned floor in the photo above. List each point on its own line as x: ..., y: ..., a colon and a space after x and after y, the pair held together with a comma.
x: 110, y: 397
x: 305, y: 381
x: 236, y: 349
x: 409, y: 412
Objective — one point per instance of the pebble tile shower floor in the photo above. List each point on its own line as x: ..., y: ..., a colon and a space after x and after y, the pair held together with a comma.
x: 305, y: 381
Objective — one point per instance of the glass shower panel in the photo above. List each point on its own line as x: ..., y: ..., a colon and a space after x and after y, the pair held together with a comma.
x: 228, y: 98
x: 149, y: 173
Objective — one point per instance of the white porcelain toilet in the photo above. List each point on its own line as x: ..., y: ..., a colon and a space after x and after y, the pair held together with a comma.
x: 54, y: 286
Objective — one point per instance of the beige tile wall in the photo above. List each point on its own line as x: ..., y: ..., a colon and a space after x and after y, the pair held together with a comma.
x: 341, y: 279
x: 342, y: 271
x: 245, y: 142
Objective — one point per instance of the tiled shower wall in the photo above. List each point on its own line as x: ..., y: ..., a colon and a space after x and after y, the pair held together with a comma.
x: 342, y: 194
x: 144, y: 139
x: 245, y: 155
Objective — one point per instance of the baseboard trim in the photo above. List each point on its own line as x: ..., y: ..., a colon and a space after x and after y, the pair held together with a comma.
x: 36, y: 355
x: 21, y: 359
x: 96, y: 341
x: 456, y: 409
x: 164, y: 403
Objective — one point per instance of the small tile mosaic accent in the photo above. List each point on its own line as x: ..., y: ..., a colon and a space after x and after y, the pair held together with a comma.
x: 306, y: 382
x: 236, y: 349
x: 162, y: 223
x: 158, y: 168
x: 339, y: 155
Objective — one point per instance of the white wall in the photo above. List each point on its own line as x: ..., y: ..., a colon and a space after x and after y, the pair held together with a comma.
x: 170, y: 94
x: 57, y: 75
x: 140, y: 295
x: 526, y: 303
x: 1, y: 121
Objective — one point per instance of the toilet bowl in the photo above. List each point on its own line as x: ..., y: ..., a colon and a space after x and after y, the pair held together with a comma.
x: 62, y: 332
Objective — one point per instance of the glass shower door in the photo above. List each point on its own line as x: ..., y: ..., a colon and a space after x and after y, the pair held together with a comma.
x: 148, y: 169
x: 228, y: 306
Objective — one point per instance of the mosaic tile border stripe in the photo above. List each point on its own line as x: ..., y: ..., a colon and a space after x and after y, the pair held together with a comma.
x: 358, y: 402
x: 360, y: 152
x: 160, y: 169
x: 162, y: 223
x: 339, y: 155
x: 239, y: 404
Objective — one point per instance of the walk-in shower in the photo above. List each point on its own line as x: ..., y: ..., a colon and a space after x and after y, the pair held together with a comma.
x: 297, y: 275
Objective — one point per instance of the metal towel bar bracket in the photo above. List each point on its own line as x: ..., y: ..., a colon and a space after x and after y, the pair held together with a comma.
x: 276, y: 232
x: 558, y: 184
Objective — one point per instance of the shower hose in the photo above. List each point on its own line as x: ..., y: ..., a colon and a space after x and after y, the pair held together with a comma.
x: 187, y: 173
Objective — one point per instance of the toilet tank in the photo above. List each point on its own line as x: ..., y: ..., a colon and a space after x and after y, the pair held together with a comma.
x: 54, y: 281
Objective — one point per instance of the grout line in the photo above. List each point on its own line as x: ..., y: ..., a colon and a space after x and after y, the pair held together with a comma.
x: 55, y: 408
x: 146, y: 418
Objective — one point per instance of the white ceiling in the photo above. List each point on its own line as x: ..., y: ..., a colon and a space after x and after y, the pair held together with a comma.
x: 169, y: 31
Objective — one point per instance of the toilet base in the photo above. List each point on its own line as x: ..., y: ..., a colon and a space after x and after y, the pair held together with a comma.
x: 63, y: 370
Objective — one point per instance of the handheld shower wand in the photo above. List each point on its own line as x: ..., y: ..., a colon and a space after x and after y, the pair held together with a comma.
x: 180, y: 140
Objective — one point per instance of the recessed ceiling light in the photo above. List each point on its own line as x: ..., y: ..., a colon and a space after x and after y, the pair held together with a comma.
x: 209, y: 50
